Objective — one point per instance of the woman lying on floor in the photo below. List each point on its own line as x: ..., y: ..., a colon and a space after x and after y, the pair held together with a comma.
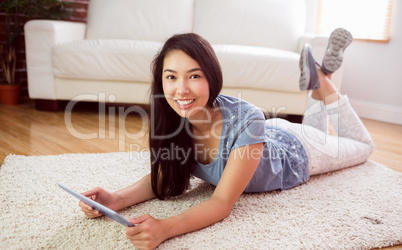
x: 230, y: 143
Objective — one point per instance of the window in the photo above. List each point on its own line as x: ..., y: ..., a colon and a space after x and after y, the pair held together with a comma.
x: 365, y: 19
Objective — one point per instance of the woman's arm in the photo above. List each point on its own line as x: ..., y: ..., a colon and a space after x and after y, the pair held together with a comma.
x: 238, y: 172
x: 134, y: 194
x: 138, y: 192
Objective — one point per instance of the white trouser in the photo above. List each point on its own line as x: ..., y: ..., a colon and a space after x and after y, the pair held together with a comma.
x: 351, y: 146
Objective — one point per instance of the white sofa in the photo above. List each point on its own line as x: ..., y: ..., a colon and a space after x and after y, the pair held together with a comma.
x: 108, y: 59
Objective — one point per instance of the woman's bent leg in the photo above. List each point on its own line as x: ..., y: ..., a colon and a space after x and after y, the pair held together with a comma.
x: 328, y: 153
x: 352, y: 145
x: 346, y: 122
x: 315, y: 114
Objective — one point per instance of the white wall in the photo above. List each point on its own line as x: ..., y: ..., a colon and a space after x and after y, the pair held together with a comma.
x: 372, y: 74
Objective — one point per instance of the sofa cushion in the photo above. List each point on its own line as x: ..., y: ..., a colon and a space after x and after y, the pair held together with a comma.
x: 123, y: 60
x: 152, y: 20
x: 259, y: 68
x: 265, y: 23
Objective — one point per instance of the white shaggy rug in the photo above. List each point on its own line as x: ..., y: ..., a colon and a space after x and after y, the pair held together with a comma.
x: 359, y: 208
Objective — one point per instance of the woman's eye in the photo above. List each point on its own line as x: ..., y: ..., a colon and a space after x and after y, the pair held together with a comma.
x: 194, y: 77
x: 170, y: 77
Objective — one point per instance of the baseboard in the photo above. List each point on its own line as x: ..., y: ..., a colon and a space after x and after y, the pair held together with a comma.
x: 379, y: 112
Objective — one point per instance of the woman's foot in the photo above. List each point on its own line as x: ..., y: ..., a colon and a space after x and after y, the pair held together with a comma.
x: 338, y: 41
x: 308, y: 73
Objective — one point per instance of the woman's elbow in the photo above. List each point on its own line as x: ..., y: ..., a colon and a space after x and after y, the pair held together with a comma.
x: 225, y: 209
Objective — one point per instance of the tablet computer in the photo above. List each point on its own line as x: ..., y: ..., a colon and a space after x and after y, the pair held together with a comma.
x: 104, y: 210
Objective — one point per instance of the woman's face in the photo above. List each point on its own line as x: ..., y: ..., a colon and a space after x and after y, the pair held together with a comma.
x: 184, y: 84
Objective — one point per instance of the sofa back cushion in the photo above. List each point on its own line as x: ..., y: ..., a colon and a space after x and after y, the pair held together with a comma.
x: 266, y: 23
x: 152, y: 20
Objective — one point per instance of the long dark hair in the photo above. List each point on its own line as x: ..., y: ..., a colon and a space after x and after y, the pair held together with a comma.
x: 170, y: 175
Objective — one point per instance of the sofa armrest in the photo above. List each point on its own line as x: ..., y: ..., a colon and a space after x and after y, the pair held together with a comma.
x: 40, y: 37
x: 318, y: 43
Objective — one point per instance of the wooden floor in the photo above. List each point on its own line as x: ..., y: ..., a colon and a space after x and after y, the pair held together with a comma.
x: 26, y: 131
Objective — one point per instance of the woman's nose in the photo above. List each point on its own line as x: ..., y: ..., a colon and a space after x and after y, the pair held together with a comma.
x: 182, y: 87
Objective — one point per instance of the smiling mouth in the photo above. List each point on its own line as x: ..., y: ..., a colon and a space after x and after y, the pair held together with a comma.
x: 185, y: 102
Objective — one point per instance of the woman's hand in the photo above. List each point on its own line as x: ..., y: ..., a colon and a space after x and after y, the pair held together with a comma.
x: 149, y: 232
x: 101, y: 196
